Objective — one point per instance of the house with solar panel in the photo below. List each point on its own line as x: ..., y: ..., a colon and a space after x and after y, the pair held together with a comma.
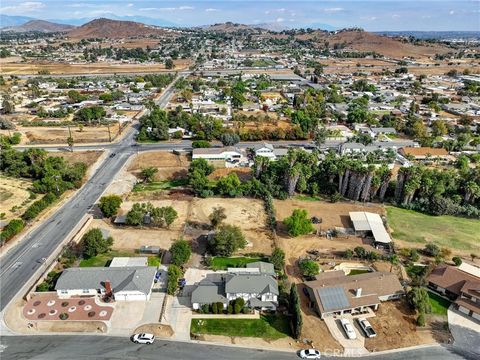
x: 333, y: 293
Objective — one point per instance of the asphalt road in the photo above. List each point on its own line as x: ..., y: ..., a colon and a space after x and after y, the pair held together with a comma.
x: 105, y: 347
x: 19, y: 264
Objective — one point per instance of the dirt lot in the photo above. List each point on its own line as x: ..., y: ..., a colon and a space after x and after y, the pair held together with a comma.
x: 87, y: 157
x: 395, y: 326
x: 332, y: 214
x: 95, y: 68
x: 243, y: 174
x: 169, y: 165
x: 248, y: 214
x: 58, y: 135
x: 14, y: 197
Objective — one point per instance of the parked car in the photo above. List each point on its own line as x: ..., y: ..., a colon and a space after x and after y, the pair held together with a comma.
x: 143, y: 338
x: 348, y: 329
x: 310, y: 354
x: 366, y: 327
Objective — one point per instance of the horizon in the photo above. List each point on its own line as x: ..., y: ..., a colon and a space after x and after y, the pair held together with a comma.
x: 373, y: 15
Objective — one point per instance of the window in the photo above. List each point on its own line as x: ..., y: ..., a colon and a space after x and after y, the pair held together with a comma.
x: 85, y: 291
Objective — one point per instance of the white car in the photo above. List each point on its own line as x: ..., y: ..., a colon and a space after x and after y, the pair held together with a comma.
x: 348, y: 329
x: 366, y: 327
x: 310, y: 354
x: 143, y: 338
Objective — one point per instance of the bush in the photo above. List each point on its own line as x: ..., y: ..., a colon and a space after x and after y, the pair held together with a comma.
x: 94, y: 243
x: 297, y: 321
x: 110, y: 204
x: 457, y: 260
x: 432, y: 250
x: 298, y: 223
x: 180, y: 251
x: 174, y: 274
x: 38, y: 206
x: 278, y: 259
x: 197, y: 144
x: 214, y: 308
x: 237, y: 309
x: 309, y: 268
x: 348, y: 254
x: 220, y: 307
x: 229, y: 309
x: 14, y: 227
x: 226, y: 241
x: 421, y: 319
x: 206, y: 308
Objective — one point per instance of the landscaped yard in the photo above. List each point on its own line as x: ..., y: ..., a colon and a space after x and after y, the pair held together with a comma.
x: 102, y: 260
x: 160, y: 185
x: 221, y: 263
x: 269, y: 327
x: 439, y: 305
x: 445, y: 231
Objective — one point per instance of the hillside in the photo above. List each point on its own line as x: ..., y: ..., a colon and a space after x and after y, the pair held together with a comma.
x: 40, y: 26
x: 10, y: 21
x: 370, y: 42
x: 106, y: 28
x: 229, y: 27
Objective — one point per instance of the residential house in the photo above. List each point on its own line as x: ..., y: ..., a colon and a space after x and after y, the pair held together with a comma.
x: 124, y: 283
x: 265, y: 150
x: 255, y: 284
x: 222, y: 157
x: 334, y: 293
x: 460, y: 284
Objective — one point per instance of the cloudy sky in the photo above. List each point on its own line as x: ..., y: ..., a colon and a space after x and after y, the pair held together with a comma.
x: 374, y: 15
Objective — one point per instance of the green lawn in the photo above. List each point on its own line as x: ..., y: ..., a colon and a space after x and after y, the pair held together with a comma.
x: 221, y: 263
x: 269, y: 327
x: 102, y: 260
x: 308, y: 198
x: 439, y: 305
x: 445, y: 231
x: 357, y: 271
x: 160, y: 185
x: 154, y: 261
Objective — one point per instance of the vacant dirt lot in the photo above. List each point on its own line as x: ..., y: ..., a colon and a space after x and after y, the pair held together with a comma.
x: 14, y: 197
x: 58, y: 135
x: 395, y: 327
x: 170, y: 166
x: 95, y: 68
x: 87, y: 157
x: 332, y: 215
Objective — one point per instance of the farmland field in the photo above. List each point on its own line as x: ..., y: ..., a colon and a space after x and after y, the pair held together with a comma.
x: 445, y: 231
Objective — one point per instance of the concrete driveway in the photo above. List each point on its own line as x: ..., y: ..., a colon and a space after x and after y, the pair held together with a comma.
x: 178, y: 315
x: 465, y: 331
x: 351, y: 347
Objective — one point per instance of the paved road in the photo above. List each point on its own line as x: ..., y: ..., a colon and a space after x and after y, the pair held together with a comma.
x: 19, y: 264
x: 104, y: 347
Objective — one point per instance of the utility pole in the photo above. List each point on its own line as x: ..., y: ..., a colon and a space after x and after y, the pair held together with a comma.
x: 109, y: 134
x: 70, y: 139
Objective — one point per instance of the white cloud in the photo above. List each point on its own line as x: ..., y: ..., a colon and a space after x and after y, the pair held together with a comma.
x: 24, y: 7
x: 280, y: 19
x: 211, y: 10
x: 267, y: 12
x: 186, y: 8
x: 452, y: 12
x: 335, y: 9
x: 181, y: 8
x: 281, y: 10
x: 148, y: 9
x: 129, y: 5
x: 369, y: 18
x: 395, y: 16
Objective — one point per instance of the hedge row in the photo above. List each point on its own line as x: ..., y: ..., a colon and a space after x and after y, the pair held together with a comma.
x: 12, y: 229
x: 38, y: 206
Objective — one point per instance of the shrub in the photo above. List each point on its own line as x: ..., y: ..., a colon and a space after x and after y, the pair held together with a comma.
x: 298, y: 223
x: 110, y: 204
x: 214, y: 308
x: 297, y: 321
x: 226, y: 241
x: 14, y: 227
x: 174, y: 274
x: 432, y: 250
x: 229, y: 309
x: 217, y: 216
x: 197, y: 144
x: 237, y: 309
x: 63, y: 316
x: 308, y: 267
x: 421, y: 319
x: 180, y: 251
x: 348, y: 254
x: 457, y: 260
x: 38, y: 206
x: 220, y: 307
x: 278, y: 259
x: 206, y: 308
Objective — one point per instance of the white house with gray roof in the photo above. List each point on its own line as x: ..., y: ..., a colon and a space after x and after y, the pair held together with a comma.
x: 124, y: 283
x: 255, y: 284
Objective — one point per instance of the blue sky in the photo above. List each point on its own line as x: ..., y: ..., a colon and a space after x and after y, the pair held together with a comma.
x: 373, y: 15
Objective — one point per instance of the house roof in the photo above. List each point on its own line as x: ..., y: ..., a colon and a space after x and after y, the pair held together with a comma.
x: 214, y: 151
x: 208, y: 292
x: 136, y: 278
x: 343, y: 295
x: 366, y: 221
x: 452, y: 278
x: 250, y: 283
x: 128, y: 261
x: 264, y: 267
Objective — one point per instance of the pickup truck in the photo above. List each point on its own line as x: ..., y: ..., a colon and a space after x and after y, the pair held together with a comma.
x: 366, y: 327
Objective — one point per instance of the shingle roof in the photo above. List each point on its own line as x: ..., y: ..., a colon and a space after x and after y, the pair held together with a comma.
x: 251, y: 283
x: 264, y: 267
x: 121, y: 278
x: 208, y: 292
x: 451, y: 278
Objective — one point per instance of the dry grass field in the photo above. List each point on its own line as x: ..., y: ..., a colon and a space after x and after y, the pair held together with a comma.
x: 169, y: 165
x: 14, y: 197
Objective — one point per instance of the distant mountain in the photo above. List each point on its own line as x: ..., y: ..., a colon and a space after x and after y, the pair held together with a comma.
x: 8, y: 20
x: 135, y: 18
x: 439, y: 35
x: 273, y: 26
x: 228, y: 27
x: 39, y: 26
x: 106, y: 28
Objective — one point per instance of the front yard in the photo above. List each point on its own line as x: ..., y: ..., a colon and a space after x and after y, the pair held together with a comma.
x: 102, y: 260
x: 269, y: 327
x: 439, y: 305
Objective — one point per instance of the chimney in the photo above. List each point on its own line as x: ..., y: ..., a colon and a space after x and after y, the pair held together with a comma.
x: 108, y: 288
x: 358, y: 292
